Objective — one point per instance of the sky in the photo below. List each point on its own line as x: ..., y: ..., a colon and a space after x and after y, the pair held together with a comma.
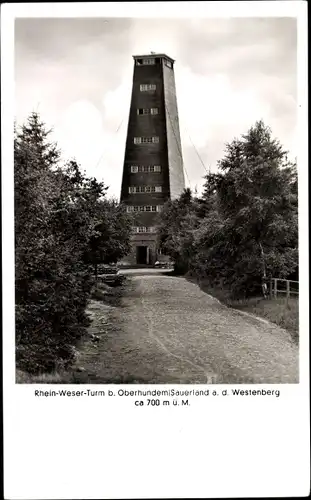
x: 77, y: 73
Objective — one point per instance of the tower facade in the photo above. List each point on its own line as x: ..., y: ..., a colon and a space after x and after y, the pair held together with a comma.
x: 153, y: 164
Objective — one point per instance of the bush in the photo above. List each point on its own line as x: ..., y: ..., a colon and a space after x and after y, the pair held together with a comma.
x: 58, y: 214
x: 244, y: 228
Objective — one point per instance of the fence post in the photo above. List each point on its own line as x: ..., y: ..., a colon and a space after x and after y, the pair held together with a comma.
x: 275, y: 287
x: 288, y: 289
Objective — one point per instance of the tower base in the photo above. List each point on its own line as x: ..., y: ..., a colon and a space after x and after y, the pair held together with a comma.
x: 144, y: 251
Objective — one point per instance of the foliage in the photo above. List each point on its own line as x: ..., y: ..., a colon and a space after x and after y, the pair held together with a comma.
x: 57, y: 212
x: 110, y: 240
x: 176, y: 230
x: 245, y: 226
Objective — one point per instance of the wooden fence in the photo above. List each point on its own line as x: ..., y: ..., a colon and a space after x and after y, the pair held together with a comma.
x: 278, y: 285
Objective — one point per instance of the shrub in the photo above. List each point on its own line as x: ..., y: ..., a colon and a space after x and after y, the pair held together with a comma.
x: 57, y: 214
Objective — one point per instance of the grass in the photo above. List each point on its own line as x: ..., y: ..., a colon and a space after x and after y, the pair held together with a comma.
x: 44, y: 378
x: 101, y: 293
x: 281, y: 311
x: 98, y: 294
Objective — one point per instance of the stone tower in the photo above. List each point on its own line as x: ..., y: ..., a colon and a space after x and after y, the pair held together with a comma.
x: 153, y: 164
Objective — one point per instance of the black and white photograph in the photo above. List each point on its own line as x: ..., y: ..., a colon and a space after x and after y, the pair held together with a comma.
x: 156, y: 201
x: 155, y: 250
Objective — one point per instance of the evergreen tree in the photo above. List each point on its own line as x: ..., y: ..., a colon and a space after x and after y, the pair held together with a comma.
x: 176, y: 225
x: 57, y: 213
x: 257, y: 202
x: 245, y: 227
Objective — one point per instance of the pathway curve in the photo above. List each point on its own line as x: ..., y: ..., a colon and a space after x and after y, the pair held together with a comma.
x: 167, y: 330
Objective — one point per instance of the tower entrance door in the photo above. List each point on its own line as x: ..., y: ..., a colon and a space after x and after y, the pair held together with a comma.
x: 142, y: 255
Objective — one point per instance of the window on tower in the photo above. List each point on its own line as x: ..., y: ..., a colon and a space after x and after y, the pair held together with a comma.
x: 145, y: 189
x: 149, y: 61
x: 144, y: 229
x: 146, y: 111
x: 144, y: 208
x: 168, y: 63
x: 145, y: 168
x: 146, y: 140
x: 144, y: 87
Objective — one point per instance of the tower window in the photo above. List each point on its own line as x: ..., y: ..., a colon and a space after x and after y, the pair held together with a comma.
x: 144, y: 229
x: 168, y: 63
x: 149, y: 61
x: 145, y: 189
x: 147, y: 86
x: 144, y: 111
x: 145, y: 168
x: 144, y: 208
x: 146, y: 140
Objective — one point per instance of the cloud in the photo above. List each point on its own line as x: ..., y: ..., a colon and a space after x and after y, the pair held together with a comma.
x: 161, y: 36
x: 80, y: 132
x: 116, y: 102
x: 214, y: 104
x: 229, y: 73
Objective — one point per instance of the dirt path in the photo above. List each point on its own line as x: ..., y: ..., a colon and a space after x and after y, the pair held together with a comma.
x: 167, y: 330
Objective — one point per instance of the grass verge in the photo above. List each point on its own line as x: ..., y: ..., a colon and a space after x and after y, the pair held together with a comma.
x: 281, y: 311
x: 100, y: 293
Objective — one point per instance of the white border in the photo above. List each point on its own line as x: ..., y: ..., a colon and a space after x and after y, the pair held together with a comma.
x: 160, y: 9
x: 62, y: 449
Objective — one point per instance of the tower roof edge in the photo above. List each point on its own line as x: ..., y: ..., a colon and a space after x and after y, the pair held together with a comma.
x: 153, y: 55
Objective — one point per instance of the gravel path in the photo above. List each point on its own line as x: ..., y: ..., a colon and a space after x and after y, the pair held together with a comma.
x: 167, y: 330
